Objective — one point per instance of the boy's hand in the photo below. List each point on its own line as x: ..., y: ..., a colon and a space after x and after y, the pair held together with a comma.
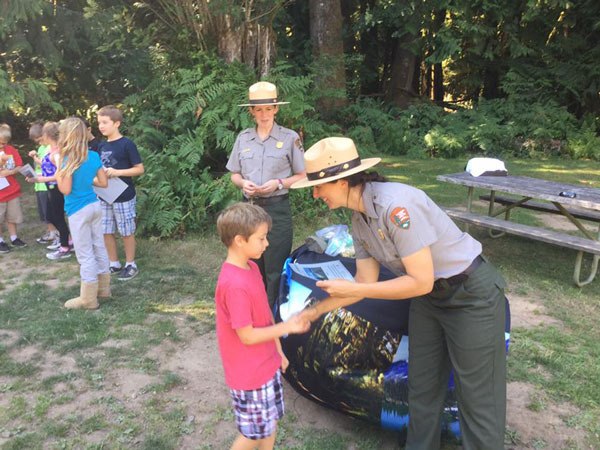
x: 5, y: 172
x: 298, y: 324
x: 310, y: 314
x: 31, y: 179
x: 32, y: 154
x: 111, y: 172
x: 284, y: 362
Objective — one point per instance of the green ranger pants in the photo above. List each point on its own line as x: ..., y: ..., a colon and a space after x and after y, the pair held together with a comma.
x: 280, y: 245
x: 459, y: 328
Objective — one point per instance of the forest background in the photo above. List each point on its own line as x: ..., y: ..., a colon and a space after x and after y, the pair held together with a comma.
x: 422, y: 78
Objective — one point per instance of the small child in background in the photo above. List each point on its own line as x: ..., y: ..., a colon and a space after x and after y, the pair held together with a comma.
x: 93, y: 141
x: 10, y: 191
x: 248, y: 338
x: 41, y: 190
x: 120, y: 157
x: 56, y: 200
x: 79, y: 171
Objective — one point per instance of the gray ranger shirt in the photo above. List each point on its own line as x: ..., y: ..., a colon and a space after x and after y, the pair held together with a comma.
x: 401, y: 220
x: 279, y: 156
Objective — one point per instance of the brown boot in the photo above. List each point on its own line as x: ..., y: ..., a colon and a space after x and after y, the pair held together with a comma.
x: 104, y: 285
x: 88, y: 298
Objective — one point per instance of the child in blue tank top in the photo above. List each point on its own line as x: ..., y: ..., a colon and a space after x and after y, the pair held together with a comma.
x: 79, y: 171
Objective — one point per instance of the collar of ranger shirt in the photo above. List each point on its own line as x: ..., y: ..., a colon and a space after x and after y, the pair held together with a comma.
x: 276, y: 133
x: 368, y: 197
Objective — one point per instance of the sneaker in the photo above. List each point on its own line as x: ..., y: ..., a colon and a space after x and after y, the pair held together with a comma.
x: 4, y: 248
x: 18, y: 243
x: 58, y: 254
x: 113, y: 270
x: 46, y: 238
x: 128, y: 273
x: 55, y: 245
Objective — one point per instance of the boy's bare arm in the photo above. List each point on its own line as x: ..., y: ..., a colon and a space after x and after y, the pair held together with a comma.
x: 7, y: 172
x: 251, y: 336
x: 134, y: 171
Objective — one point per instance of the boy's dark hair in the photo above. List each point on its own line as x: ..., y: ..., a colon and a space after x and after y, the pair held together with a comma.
x: 84, y: 120
x: 111, y: 111
x: 35, y: 130
x: 240, y: 219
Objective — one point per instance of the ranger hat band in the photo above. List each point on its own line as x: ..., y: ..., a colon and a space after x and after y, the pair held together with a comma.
x: 262, y: 93
x: 331, y: 159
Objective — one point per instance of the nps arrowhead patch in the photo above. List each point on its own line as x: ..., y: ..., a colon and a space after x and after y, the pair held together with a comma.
x: 400, y: 218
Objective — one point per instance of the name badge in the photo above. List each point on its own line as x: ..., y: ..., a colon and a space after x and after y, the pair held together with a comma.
x: 245, y: 150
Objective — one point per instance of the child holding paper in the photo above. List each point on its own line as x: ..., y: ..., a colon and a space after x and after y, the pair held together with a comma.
x: 248, y: 338
x: 121, y: 159
x: 56, y: 200
x: 10, y: 191
x: 79, y: 171
x: 41, y: 190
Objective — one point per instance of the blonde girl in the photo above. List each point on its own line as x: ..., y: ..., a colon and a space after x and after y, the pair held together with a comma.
x: 79, y: 171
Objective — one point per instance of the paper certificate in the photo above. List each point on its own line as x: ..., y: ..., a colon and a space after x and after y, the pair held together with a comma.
x: 323, y: 271
x: 27, y: 171
x: 3, y: 183
x: 109, y: 194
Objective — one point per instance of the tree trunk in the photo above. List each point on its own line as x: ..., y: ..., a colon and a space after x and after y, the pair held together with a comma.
x: 438, y: 83
x: 401, y: 90
x: 438, y: 73
x: 328, y: 53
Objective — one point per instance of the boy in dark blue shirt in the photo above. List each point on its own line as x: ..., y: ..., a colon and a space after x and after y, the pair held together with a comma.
x: 120, y: 158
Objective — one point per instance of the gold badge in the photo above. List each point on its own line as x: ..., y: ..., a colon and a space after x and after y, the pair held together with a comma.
x: 279, y: 144
x: 381, y: 235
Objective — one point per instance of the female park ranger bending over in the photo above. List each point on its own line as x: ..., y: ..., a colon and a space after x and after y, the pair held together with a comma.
x: 264, y: 162
x: 458, y: 309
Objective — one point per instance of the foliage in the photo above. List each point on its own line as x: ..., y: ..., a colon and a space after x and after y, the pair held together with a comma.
x: 493, y: 128
x: 585, y: 143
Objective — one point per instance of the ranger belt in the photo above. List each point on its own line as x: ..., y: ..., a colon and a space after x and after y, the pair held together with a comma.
x: 444, y: 283
x: 265, y: 201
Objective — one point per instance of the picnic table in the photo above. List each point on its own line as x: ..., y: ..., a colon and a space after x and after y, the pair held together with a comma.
x: 575, y: 202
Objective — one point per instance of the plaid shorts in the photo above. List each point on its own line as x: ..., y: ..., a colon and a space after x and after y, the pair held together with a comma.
x: 118, y: 216
x: 257, y: 411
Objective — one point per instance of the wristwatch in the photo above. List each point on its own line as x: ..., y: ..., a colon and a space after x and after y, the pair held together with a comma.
x: 279, y: 184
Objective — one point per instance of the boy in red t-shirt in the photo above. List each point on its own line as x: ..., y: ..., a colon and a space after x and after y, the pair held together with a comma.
x: 10, y: 191
x: 248, y: 338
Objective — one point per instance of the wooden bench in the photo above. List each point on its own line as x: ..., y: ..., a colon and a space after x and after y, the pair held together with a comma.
x: 582, y: 245
x: 518, y: 229
x: 590, y: 215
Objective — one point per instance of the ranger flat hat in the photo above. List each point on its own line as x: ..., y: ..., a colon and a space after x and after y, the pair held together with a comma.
x: 263, y: 93
x: 331, y: 159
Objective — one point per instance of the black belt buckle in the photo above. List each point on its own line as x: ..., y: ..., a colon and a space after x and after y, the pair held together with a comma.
x: 265, y: 201
x: 446, y: 283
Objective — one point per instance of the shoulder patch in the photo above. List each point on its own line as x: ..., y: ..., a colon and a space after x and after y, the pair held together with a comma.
x: 400, y: 218
x: 298, y: 144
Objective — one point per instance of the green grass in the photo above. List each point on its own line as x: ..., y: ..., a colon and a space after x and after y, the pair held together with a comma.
x: 174, y: 294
